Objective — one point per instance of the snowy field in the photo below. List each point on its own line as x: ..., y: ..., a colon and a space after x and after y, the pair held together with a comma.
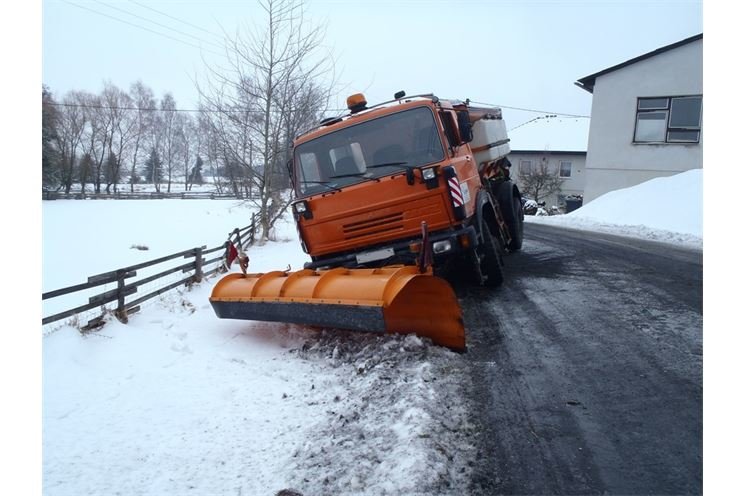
x: 666, y: 209
x: 178, y: 401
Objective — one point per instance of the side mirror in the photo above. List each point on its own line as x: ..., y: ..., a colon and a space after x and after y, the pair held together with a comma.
x: 464, y: 127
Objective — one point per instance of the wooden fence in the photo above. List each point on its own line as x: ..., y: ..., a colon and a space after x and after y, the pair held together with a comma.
x: 205, y: 261
x: 142, y: 195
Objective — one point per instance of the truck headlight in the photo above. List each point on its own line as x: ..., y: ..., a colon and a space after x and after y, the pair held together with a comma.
x: 301, y: 208
x: 428, y: 174
x: 442, y: 246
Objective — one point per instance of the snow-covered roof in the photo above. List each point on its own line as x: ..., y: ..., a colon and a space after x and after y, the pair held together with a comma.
x: 557, y: 134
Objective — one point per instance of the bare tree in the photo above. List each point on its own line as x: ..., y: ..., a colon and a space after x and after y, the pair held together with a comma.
x: 85, y: 169
x: 170, y: 132
x: 122, y: 126
x: 50, y: 156
x: 540, y: 180
x: 97, y: 134
x: 143, y: 100
x: 70, y: 128
x: 272, y: 87
x: 156, y: 138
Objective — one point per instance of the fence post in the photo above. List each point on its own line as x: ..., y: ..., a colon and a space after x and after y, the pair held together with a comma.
x: 253, y: 229
x: 198, y: 273
x: 121, y: 311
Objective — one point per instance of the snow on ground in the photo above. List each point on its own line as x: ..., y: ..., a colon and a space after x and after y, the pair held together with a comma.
x: 667, y: 209
x: 178, y: 401
x: 81, y: 238
x: 103, y: 233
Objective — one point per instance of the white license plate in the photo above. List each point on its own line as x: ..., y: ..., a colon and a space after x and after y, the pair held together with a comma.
x: 371, y: 256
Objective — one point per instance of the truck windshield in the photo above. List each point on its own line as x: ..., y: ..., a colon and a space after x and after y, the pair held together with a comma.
x: 371, y: 149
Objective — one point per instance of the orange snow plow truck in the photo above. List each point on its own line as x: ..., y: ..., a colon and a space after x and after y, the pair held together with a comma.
x: 383, y: 194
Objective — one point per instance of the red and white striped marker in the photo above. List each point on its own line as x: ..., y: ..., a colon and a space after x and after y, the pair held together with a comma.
x: 455, y: 192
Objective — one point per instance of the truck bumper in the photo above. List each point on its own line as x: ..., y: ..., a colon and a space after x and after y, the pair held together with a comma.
x: 446, y: 244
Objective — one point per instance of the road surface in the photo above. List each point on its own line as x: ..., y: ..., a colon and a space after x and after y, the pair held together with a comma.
x: 587, y: 367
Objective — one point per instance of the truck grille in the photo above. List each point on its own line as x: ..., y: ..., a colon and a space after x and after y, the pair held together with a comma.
x: 378, y: 225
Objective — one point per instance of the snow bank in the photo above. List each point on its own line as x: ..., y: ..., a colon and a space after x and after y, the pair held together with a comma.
x: 668, y: 209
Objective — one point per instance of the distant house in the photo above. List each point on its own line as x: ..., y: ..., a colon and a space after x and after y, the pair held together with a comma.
x: 646, y: 118
x: 559, y: 144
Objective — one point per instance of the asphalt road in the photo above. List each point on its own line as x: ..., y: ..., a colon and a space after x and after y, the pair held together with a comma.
x: 587, y: 367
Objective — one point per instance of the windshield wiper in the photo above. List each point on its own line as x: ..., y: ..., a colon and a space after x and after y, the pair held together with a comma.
x: 364, y: 174
x: 331, y: 186
x: 386, y: 164
x: 352, y: 174
x: 375, y: 166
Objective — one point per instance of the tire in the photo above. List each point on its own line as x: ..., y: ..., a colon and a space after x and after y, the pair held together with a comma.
x: 488, y: 258
x: 512, y: 211
x: 516, y: 226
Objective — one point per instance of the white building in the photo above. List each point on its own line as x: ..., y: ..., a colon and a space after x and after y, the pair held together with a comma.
x: 646, y: 118
x: 557, y: 143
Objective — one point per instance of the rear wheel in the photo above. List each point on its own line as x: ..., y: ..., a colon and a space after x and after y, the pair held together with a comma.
x: 512, y: 211
x: 516, y: 225
x: 488, y: 258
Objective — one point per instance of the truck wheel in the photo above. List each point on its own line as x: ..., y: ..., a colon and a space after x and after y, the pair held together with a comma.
x: 516, y: 224
x: 489, y: 258
x: 512, y: 211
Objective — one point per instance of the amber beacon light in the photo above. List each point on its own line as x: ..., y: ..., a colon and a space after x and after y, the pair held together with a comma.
x: 356, y: 102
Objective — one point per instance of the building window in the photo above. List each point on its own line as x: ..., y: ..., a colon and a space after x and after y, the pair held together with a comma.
x: 565, y: 169
x: 668, y: 120
x: 526, y: 167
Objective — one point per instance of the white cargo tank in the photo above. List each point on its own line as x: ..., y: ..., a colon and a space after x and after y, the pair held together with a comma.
x: 490, y: 140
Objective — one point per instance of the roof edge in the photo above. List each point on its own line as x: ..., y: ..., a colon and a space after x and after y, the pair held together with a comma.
x: 587, y: 83
x: 552, y: 152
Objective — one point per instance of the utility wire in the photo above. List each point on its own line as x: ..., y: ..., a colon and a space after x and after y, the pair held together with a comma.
x: 533, y: 119
x: 153, y: 109
x: 141, y: 27
x: 85, y: 105
x: 175, y: 18
x: 157, y: 23
x: 532, y: 110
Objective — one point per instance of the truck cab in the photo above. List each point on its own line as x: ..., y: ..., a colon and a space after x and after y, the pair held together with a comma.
x: 365, y: 182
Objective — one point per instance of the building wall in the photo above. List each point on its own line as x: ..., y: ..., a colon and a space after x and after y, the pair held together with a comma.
x: 573, y: 185
x: 614, y: 161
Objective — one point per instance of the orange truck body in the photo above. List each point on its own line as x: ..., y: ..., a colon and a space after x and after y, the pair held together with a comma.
x: 382, y: 193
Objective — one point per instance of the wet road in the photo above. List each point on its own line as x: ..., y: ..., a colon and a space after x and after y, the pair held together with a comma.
x: 587, y: 367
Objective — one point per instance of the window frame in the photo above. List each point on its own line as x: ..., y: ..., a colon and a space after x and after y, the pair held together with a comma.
x: 668, y: 109
x: 562, y: 176
x: 527, y: 161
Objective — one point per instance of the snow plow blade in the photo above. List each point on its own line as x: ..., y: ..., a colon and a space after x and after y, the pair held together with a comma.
x: 395, y: 299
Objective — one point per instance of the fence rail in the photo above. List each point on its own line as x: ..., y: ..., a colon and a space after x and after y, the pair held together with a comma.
x: 141, y: 195
x: 200, y: 266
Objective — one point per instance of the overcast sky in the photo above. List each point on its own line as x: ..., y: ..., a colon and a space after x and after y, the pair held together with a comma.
x: 523, y: 54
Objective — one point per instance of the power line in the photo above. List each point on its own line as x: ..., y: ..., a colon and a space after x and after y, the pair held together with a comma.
x: 533, y: 110
x: 533, y: 119
x: 175, y: 18
x: 154, y: 109
x: 157, y: 23
x: 141, y: 27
